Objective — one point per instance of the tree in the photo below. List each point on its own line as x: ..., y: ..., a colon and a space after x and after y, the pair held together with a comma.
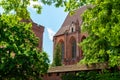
x: 19, y: 56
x: 19, y: 7
x: 57, y: 59
x: 102, y: 23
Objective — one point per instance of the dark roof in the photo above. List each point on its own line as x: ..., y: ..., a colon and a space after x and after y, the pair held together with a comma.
x: 77, y: 67
x: 71, y: 18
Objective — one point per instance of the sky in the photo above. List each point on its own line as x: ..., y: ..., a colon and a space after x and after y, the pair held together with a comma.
x: 51, y: 18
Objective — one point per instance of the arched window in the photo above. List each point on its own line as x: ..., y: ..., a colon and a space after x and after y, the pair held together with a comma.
x: 72, y: 27
x: 73, y: 48
x: 72, y: 30
x: 62, y: 49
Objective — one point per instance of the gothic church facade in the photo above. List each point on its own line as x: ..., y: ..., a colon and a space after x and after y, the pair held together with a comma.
x: 69, y: 36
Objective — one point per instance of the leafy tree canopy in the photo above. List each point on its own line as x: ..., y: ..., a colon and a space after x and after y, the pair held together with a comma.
x: 20, y: 6
x: 19, y: 56
x: 102, y: 24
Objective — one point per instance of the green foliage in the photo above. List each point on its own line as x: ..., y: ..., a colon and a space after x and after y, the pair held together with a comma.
x: 92, y: 75
x: 57, y: 59
x: 19, y: 57
x: 106, y: 75
x: 82, y: 75
x: 19, y: 7
x: 70, y: 5
x: 69, y: 76
x: 102, y: 23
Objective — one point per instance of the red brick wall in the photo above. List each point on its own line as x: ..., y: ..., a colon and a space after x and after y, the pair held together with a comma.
x: 52, y: 76
x: 38, y: 30
x: 66, y: 39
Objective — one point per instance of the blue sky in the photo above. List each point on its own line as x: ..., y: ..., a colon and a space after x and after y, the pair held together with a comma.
x: 51, y: 18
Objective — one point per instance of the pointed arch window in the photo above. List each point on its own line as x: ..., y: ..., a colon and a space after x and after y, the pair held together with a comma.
x: 72, y: 30
x: 73, y: 48
x: 62, y: 50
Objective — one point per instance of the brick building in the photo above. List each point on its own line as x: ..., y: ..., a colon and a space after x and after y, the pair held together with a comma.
x: 68, y: 36
x: 38, y: 30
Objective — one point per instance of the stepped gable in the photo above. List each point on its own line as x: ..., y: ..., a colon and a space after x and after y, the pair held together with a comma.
x: 71, y: 18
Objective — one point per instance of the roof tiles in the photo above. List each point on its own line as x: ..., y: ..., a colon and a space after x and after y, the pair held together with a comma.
x: 71, y: 18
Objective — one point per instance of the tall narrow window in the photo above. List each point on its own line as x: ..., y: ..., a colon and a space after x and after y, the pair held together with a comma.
x: 72, y: 30
x: 62, y: 48
x: 73, y: 45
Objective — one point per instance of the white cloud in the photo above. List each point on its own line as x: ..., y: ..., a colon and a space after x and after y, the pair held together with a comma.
x: 51, y: 33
